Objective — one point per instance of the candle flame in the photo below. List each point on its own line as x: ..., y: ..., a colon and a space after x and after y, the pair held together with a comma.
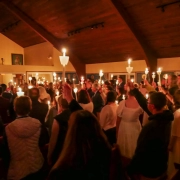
x: 129, y: 61
x: 64, y: 51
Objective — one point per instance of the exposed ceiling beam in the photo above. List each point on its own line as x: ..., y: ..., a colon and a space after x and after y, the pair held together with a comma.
x: 150, y: 55
x: 57, y: 43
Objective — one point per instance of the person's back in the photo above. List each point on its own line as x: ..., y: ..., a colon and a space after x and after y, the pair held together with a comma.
x: 58, y: 131
x: 22, y: 136
x: 151, y: 155
x: 39, y: 110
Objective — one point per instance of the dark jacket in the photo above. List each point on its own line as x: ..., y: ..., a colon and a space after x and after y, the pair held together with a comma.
x: 151, y: 154
x: 39, y: 111
x: 62, y: 120
x: 97, y: 102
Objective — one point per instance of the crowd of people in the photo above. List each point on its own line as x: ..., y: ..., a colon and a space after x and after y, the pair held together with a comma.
x: 88, y: 133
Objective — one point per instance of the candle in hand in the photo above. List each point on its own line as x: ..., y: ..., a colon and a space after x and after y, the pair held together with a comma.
x: 153, y: 76
x: 129, y: 62
x: 20, y: 93
x: 147, y: 95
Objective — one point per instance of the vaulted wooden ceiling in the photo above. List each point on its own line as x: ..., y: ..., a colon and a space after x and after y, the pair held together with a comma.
x: 122, y: 28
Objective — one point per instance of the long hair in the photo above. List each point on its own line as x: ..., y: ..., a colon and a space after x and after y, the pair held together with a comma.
x: 84, y: 140
x: 83, y: 97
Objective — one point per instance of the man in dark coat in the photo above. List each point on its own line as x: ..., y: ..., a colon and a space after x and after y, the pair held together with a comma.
x: 97, y: 100
x: 151, y: 155
x: 39, y: 110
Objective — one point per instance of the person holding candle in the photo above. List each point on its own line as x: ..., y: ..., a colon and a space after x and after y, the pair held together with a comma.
x: 39, y: 110
x: 58, y: 131
x: 120, y: 83
x: 108, y: 117
x: 88, y: 87
x: 120, y: 93
x: 50, y: 91
x: 128, y: 125
x: 97, y: 100
x: 151, y: 155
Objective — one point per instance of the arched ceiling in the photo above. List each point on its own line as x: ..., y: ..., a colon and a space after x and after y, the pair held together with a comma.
x: 122, y: 28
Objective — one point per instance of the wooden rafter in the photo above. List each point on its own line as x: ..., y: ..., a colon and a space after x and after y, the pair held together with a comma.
x: 150, y: 55
x: 57, y: 43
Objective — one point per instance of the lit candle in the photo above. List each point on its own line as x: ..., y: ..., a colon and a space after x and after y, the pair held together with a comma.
x: 111, y: 76
x: 102, y: 82
x: 132, y: 80
x: 159, y: 74
x: 64, y: 51
x: 129, y: 61
x: 48, y: 104
x: 166, y: 78
x: 54, y: 74
x: 75, y: 91
x: 123, y: 97
x: 153, y: 76
x: 100, y: 75
x: 147, y: 95
x: 30, y: 78
x: 57, y: 93
x: 146, y: 72
x: 20, y: 93
x: 82, y: 81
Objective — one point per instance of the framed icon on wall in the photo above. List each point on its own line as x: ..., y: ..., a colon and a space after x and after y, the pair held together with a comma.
x: 17, y: 59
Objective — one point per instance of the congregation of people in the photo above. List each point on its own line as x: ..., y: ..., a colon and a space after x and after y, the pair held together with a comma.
x: 110, y: 131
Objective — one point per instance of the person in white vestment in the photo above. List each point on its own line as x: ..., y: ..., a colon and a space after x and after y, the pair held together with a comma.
x: 108, y: 117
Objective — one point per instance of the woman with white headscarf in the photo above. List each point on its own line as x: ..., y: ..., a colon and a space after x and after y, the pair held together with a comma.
x: 44, y: 97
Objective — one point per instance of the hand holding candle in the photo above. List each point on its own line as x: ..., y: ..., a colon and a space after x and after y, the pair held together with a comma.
x: 153, y: 76
x: 129, y: 62
x: 75, y: 91
x: 159, y: 74
x: 20, y: 93
x: 146, y: 72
